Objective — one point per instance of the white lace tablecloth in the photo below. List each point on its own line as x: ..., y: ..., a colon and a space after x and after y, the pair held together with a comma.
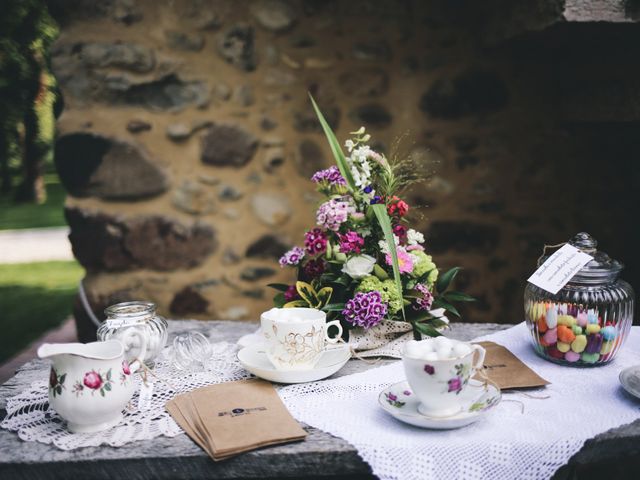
x: 506, y: 444
x: 29, y: 415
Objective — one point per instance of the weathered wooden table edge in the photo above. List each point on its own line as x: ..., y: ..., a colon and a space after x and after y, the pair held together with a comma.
x: 321, y: 455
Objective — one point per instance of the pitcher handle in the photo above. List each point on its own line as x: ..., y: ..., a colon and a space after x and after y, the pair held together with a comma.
x: 143, y: 347
x: 478, y: 363
x: 333, y: 323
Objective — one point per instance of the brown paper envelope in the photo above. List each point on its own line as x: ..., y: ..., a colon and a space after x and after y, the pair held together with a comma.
x: 243, y: 415
x: 192, y: 411
x: 506, y: 370
x: 186, y: 425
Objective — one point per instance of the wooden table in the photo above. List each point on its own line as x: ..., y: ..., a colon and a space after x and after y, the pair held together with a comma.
x: 320, y: 456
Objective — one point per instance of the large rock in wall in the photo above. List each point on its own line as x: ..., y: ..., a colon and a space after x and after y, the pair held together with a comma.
x: 188, y: 140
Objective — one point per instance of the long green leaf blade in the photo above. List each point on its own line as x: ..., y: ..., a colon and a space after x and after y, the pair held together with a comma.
x: 341, y: 161
x: 380, y: 211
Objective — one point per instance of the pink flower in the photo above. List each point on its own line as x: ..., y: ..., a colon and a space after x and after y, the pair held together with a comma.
x: 291, y: 293
x: 292, y: 257
x: 315, y: 241
x: 125, y: 368
x: 429, y: 369
x: 400, y: 231
x: 405, y: 262
x: 351, y: 242
x: 426, y: 301
x: 92, y: 380
x: 334, y: 213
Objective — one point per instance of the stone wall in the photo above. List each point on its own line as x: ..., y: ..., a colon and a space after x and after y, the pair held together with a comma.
x: 188, y: 139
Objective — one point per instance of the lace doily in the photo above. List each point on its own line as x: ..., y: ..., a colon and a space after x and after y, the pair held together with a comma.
x: 29, y: 414
x: 507, y: 443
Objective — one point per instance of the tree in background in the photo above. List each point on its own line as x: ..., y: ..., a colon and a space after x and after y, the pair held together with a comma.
x: 29, y: 97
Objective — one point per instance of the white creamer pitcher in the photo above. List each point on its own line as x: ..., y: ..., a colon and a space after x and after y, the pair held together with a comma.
x: 90, y: 384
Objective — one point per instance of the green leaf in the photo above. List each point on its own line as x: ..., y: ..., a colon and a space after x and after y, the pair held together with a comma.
x: 341, y: 161
x: 102, y: 392
x: 380, y: 272
x: 307, y: 292
x: 442, y: 303
x: 438, y: 323
x: 279, y: 300
x: 419, y: 315
x: 427, y: 329
x: 343, y: 280
x: 458, y: 297
x: 281, y: 287
x: 296, y: 304
x: 380, y: 210
x: 445, y: 279
x: 324, y: 296
x: 62, y: 378
x: 333, y: 307
x: 107, y: 387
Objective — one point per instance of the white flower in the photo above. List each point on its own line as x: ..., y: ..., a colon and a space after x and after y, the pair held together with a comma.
x: 414, y: 238
x: 349, y: 144
x: 359, y: 266
x: 384, y: 246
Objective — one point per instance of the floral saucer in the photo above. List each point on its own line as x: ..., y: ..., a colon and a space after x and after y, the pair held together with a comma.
x: 254, y: 359
x: 399, y: 401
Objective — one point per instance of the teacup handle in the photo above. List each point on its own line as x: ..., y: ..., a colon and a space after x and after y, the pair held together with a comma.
x: 143, y: 347
x: 333, y: 323
x: 478, y: 363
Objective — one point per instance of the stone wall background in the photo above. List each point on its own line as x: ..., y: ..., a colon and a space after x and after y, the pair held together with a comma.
x: 187, y: 138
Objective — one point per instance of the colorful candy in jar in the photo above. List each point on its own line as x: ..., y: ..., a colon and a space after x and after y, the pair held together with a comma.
x: 562, y: 336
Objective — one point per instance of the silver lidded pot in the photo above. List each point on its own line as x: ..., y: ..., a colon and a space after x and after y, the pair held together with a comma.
x: 140, y: 316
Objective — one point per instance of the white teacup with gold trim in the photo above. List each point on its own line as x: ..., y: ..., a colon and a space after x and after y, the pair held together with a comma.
x: 296, y: 337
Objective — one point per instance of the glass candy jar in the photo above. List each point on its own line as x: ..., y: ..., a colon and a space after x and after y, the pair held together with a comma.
x: 140, y: 316
x: 588, y: 320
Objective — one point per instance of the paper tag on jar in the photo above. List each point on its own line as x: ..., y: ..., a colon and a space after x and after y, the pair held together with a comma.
x: 559, y: 268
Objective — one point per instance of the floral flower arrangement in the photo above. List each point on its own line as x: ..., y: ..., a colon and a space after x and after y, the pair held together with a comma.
x: 362, y: 263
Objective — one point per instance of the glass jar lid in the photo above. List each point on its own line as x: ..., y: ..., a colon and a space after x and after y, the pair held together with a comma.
x: 129, y: 313
x: 601, y: 269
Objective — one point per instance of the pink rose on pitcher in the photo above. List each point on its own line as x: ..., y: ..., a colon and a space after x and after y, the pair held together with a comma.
x: 125, y: 368
x: 92, y: 380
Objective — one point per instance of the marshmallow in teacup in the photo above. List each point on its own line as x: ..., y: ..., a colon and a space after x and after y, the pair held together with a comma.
x: 439, y: 348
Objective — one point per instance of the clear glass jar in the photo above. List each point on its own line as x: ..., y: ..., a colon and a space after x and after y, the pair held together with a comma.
x: 586, y: 322
x: 140, y: 316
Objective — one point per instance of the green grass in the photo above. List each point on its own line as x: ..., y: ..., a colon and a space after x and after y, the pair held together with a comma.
x: 34, y: 298
x: 26, y: 215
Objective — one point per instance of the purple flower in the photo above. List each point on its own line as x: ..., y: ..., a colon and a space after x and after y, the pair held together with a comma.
x: 333, y: 213
x: 291, y: 293
x: 376, y: 199
x: 367, y: 189
x: 426, y: 301
x: 314, y: 268
x: 331, y: 176
x: 315, y: 241
x: 392, y: 397
x: 293, y: 257
x: 406, y: 393
x: 351, y: 242
x: 365, y: 309
x: 429, y: 369
x: 455, y: 385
